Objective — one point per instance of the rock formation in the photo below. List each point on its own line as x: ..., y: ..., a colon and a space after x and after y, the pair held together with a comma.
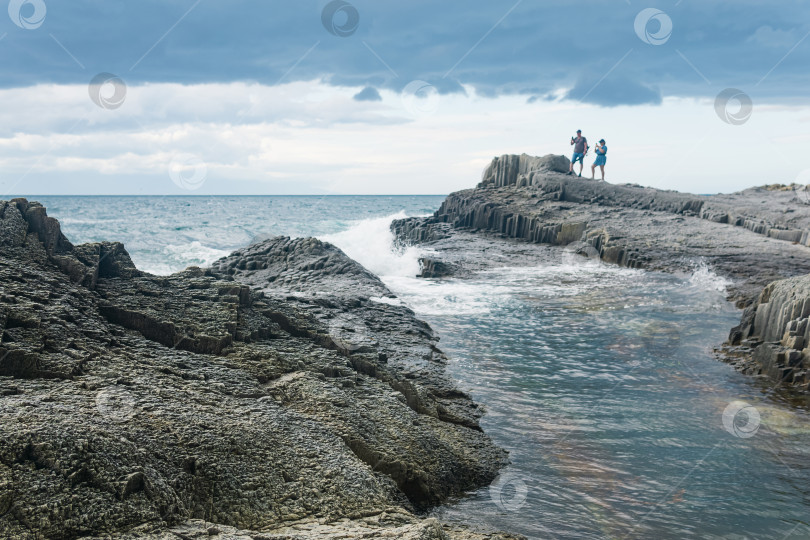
x: 774, y: 335
x: 236, y: 401
x: 754, y: 238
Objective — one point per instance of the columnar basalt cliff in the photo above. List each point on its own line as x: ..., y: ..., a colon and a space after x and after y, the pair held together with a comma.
x: 244, y: 400
x: 774, y: 335
x: 754, y: 238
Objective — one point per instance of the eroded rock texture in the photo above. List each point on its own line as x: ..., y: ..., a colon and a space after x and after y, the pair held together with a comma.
x: 268, y: 396
x: 773, y: 337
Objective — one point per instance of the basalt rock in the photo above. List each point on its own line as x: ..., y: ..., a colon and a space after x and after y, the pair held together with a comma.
x: 241, y: 400
x: 628, y: 224
x: 775, y: 332
x: 752, y: 238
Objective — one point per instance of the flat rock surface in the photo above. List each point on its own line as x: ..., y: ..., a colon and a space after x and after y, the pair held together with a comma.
x: 236, y: 401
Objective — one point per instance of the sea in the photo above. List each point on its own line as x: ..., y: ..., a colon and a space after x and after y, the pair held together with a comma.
x: 600, y: 381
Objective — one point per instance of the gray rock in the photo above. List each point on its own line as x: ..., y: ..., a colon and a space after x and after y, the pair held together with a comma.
x: 195, y: 405
x: 753, y: 238
x: 432, y: 268
x: 775, y: 330
x: 626, y: 224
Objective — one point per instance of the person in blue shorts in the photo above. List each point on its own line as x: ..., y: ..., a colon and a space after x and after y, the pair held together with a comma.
x: 580, y: 145
x: 601, y: 159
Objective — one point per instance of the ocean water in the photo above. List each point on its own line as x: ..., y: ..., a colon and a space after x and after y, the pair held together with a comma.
x: 599, y: 380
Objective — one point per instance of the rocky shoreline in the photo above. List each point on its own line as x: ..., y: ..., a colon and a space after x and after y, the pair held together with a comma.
x: 757, y: 239
x: 281, y: 393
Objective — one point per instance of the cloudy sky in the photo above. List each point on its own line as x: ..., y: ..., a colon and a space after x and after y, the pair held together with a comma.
x: 362, y: 96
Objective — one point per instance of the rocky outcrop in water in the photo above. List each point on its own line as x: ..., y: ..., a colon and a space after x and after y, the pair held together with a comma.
x: 239, y: 401
x: 774, y: 335
x: 627, y: 224
x: 753, y: 238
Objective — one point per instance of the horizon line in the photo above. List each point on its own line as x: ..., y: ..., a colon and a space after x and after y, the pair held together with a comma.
x: 232, y: 195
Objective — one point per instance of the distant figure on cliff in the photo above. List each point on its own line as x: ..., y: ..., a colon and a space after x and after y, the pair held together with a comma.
x: 580, y: 144
x: 601, y: 159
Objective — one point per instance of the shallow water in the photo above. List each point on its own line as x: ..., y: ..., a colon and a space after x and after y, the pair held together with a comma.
x: 599, y: 380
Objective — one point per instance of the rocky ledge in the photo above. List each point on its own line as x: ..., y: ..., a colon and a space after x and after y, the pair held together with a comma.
x: 754, y: 238
x: 239, y: 401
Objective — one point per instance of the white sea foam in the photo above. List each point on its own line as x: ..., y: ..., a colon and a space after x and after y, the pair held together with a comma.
x: 371, y: 243
x: 182, y: 256
x: 703, y: 277
x: 445, y: 297
x: 386, y: 300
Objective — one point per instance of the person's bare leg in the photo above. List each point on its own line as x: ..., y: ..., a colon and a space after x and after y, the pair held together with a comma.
x: 593, y: 172
x: 581, y: 166
x: 602, y: 167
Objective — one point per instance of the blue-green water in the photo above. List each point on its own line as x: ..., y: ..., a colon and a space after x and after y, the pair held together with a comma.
x: 167, y: 234
x: 599, y: 380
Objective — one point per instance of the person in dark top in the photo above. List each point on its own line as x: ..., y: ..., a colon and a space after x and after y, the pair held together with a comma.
x: 580, y: 145
x: 601, y: 159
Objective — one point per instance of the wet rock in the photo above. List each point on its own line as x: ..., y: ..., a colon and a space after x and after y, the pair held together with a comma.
x: 432, y: 268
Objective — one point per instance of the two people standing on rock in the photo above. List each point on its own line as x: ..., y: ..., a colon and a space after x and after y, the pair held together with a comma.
x: 581, y: 148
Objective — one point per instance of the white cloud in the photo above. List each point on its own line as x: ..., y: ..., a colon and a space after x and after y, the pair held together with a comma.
x: 770, y: 37
x: 309, y: 137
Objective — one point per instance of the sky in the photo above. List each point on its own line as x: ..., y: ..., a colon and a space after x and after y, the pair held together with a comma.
x: 380, y: 97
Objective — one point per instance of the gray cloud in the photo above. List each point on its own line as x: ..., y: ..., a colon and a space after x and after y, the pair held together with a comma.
x: 537, y: 48
x: 614, y: 91
x: 369, y: 93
